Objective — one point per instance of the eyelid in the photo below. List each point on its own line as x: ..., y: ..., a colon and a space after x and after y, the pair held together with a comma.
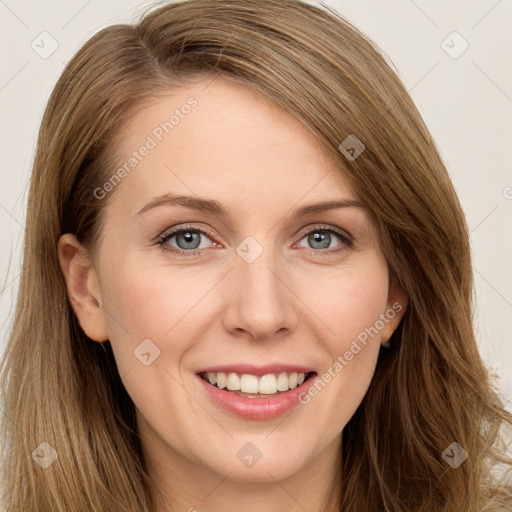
x: 169, y: 233
x: 345, y: 237
x: 178, y: 228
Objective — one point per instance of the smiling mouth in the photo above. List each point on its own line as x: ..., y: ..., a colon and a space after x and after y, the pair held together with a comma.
x: 252, y: 386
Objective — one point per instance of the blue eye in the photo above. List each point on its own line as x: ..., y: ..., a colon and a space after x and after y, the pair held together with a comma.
x: 187, y: 237
x: 188, y: 240
x: 322, y: 238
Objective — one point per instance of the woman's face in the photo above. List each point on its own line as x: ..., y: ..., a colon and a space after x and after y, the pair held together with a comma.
x: 253, y: 283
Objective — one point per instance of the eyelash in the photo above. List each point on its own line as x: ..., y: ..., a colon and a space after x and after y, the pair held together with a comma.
x: 346, y: 241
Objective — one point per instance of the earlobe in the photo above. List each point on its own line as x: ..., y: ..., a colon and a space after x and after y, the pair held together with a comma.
x: 395, y: 310
x: 82, y: 287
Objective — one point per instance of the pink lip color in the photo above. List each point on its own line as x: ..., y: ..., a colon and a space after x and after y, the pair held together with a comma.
x: 256, y: 408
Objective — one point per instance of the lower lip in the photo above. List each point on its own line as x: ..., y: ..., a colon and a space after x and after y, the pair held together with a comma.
x: 257, y: 408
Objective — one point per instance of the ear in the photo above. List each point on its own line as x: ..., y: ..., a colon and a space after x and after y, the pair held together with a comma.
x: 395, y: 308
x: 82, y: 287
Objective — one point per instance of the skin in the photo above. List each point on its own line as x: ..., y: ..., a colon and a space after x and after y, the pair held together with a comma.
x: 294, y: 303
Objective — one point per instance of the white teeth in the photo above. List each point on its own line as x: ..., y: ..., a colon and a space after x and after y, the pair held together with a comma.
x: 282, y: 382
x: 249, y: 383
x: 265, y: 385
x: 221, y: 380
x: 268, y: 385
x: 233, y: 382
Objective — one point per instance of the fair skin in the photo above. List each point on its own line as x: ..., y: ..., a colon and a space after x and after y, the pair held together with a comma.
x: 295, y: 303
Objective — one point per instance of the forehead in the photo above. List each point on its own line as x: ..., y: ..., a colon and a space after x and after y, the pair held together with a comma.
x: 220, y: 139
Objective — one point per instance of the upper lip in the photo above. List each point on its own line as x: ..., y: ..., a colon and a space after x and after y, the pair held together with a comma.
x: 257, y: 370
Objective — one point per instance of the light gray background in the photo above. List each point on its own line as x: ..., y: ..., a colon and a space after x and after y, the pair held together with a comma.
x: 465, y: 101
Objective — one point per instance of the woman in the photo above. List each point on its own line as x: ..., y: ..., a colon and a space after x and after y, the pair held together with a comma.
x: 182, y: 343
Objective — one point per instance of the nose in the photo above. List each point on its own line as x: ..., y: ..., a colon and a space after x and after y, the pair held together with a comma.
x: 260, y: 301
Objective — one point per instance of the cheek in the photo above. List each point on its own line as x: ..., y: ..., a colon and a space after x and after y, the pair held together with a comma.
x: 149, y: 304
x: 350, y: 301
x: 351, y: 310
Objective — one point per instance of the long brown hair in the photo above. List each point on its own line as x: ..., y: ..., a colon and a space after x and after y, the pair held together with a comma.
x: 430, y: 388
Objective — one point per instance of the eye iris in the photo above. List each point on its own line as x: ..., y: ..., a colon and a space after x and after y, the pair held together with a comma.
x: 189, y: 237
x: 323, y: 238
x: 318, y: 236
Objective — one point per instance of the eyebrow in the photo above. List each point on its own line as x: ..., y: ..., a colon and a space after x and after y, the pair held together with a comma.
x: 212, y: 206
